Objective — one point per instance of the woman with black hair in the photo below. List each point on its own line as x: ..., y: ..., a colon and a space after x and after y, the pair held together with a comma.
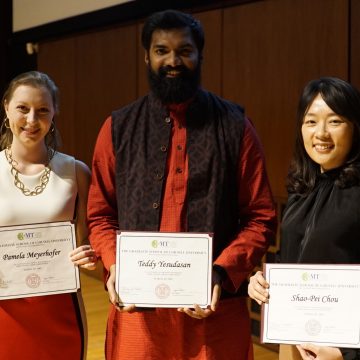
x: 321, y: 220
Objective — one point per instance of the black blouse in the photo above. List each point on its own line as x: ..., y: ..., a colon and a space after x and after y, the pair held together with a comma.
x: 323, y: 227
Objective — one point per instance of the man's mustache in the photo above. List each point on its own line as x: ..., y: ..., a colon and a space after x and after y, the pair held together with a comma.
x: 164, y: 70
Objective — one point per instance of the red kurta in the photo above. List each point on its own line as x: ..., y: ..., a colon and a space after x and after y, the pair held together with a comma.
x: 165, y: 333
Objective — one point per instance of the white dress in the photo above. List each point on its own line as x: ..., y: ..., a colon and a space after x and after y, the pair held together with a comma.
x: 44, y: 327
x: 55, y: 203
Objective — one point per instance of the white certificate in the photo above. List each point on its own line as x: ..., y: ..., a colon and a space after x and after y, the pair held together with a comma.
x: 312, y: 303
x: 164, y: 269
x: 35, y: 260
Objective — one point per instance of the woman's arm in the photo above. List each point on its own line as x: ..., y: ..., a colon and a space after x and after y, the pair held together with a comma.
x: 83, y: 256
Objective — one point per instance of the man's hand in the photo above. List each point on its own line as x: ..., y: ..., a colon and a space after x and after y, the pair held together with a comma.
x: 113, y: 296
x: 197, y: 312
x: 311, y: 351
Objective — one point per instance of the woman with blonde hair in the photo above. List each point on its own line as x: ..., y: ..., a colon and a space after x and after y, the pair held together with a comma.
x: 39, y: 184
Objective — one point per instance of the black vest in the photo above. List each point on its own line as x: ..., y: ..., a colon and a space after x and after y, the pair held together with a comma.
x: 141, y: 134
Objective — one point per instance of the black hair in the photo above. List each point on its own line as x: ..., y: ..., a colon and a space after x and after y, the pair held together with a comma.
x: 344, y: 100
x: 172, y: 19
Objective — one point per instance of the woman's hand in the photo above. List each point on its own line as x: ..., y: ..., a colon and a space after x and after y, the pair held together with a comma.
x: 311, y: 351
x: 258, y: 288
x: 84, y: 256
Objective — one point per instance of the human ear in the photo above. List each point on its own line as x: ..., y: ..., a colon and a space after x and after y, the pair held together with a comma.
x: 6, y: 107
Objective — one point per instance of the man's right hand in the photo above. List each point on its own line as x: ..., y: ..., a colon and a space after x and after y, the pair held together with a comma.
x: 113, y: 296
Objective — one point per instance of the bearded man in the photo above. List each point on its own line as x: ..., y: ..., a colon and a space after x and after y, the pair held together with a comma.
x: 181, y: 159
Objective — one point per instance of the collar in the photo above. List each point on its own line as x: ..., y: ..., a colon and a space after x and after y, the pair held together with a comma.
x: 180, y: 108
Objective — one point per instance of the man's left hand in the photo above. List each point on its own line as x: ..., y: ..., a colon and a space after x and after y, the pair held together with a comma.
x: 311, y: 351
x: 197, y: 312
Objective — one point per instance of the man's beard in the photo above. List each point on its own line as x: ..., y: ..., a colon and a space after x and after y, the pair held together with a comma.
x: 177, y: 89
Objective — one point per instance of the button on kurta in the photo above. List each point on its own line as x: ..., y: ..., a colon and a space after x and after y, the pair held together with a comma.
x: 179, y: 170
x: 168, y: 120
x: 156, y: 205
x: 163, y: 148
x: 159, y: 176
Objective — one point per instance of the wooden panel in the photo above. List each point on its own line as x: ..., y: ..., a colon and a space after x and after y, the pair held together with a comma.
x: 355, y: 44
x: 57, y: 58
x: 96, y: 302
x: 211, y: 66
x: 96, y: 73
x: 142, y: 83
x: 211, y: 69
x: 5, y: 46
x: 271, y: 49
x: 106, y: 80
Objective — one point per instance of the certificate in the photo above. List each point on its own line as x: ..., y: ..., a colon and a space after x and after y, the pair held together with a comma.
x: 35, y: 260
x: 166, y: 270
x: 312, y: 303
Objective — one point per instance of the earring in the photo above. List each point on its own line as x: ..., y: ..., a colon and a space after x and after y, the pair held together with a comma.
x: 52, y: 127
x: 7, y: 125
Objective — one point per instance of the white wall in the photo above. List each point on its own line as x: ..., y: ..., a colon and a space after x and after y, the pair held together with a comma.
x: 31, y: 13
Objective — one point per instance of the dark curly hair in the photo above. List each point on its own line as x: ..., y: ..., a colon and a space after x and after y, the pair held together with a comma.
x: 172, y: 19
x: 344, y: 100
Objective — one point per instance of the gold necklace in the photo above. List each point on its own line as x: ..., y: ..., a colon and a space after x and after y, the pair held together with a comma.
x: 44, y: 178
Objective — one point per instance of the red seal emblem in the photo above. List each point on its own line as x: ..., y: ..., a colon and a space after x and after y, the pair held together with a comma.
x: 33, y: 281
x: 162, y: 291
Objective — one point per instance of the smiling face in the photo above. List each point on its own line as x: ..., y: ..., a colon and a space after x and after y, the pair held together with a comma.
x: 172, y: 50
x: 173, y: 65
x: 30, y: 112
x: 327, y: 136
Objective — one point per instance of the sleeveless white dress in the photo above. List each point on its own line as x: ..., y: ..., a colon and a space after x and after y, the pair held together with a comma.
x: 44, y: 327
x: 55, y: 203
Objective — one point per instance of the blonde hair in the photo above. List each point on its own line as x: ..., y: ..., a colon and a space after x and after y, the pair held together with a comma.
x: 35, y: 79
